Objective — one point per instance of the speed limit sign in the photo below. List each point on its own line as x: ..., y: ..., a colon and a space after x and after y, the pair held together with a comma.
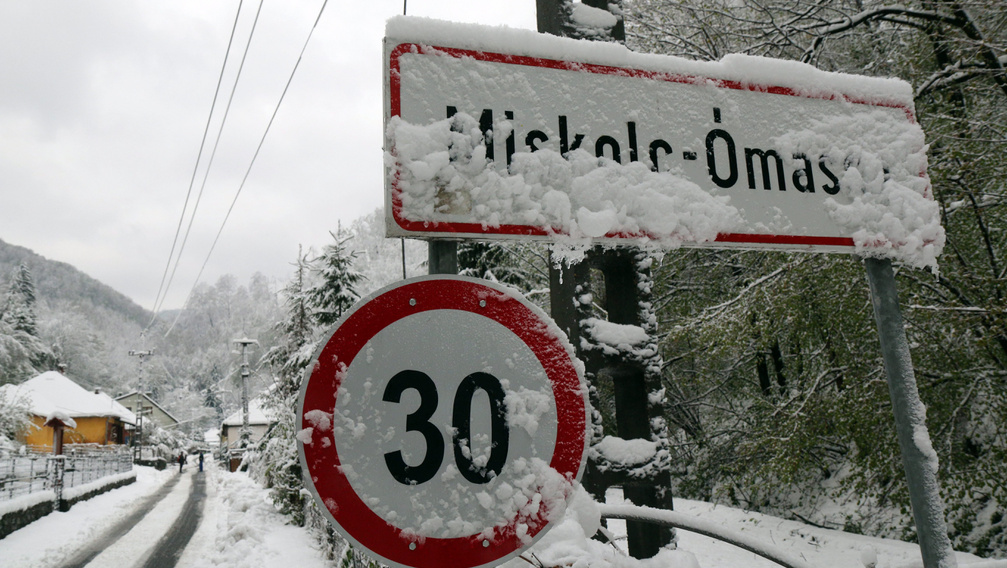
x: 443, y: 424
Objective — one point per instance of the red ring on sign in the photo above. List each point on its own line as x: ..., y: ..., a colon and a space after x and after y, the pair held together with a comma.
x: 321, y: 388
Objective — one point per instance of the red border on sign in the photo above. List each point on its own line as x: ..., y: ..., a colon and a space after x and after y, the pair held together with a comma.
x: 529, y: 230
x: 323, y: 464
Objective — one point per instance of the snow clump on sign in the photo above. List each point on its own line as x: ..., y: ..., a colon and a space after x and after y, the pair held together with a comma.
x: 526, y: 407
x: 892, y: 213
x: 443, y: 170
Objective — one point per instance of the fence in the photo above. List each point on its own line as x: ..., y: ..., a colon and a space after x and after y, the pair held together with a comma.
x: 32, y: 473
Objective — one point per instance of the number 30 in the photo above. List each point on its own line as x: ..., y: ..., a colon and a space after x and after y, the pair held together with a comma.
x: 461, y: 420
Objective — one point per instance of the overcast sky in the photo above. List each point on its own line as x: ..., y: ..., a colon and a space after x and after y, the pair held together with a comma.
x: 103, y: 105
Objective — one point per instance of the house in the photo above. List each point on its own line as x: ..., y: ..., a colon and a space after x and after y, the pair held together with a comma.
x: 152, y: 411
x: 259, y: 422
x: 96, y: 417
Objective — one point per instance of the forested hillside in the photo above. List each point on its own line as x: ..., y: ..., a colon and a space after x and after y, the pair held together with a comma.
x: 66, y: 318
x: 58, y: 281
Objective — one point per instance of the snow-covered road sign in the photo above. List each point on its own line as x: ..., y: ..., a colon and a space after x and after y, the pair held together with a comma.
x: 443, y: 424
x: 494, y: 133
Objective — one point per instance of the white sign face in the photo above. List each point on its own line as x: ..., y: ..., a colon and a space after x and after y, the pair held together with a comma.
x: 443, y: 424
x: 567, y: 149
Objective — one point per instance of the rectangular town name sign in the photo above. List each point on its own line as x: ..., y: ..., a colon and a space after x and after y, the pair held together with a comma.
x: 495, y: 133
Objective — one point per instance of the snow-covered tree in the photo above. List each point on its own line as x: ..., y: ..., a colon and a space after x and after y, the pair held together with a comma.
x: 19, y: 307
x: 14, y: 417
x: 336, y: 289
x: 22, y: 353
x: 276, y: 460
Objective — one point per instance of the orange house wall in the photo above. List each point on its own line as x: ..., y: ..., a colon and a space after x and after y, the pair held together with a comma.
x: 89, y: 430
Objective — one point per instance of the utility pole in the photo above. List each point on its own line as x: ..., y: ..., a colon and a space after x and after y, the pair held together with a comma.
x: 138, y: 443
x: 246, y: 432
x: 639, y: 406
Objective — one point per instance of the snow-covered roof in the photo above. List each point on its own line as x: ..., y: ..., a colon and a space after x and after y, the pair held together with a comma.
x: 256, y: 414
x: 151, y: 401
x: 52, y: 394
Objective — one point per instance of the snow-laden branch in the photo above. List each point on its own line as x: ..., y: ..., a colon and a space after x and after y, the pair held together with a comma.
x: 967, y: 309
x: 849, y: 22
x: 705, y: 528
x: 714, y: 311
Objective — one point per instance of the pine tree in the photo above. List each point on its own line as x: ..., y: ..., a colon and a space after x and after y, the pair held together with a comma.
x: 336, y: 291
x: 280, y: 467
x: 19, y: 308
x: 22, y: 353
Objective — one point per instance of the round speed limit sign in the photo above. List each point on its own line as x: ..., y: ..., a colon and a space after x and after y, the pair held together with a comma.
x: 444, y: 423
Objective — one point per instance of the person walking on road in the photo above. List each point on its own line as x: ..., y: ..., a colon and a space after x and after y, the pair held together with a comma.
x: 201, y: 462
x: 181, y: 461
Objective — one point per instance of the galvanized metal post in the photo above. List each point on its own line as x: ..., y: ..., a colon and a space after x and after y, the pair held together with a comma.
x: 442, y: 257
x: 918, y: 457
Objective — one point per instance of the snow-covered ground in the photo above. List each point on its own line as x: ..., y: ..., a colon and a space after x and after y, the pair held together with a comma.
x: 240, y: 528
x: 53, y: 539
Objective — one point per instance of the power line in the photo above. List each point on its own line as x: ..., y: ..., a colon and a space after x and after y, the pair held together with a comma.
x: 251, y: 164
x: 213, y: 153
x: 192, y: 180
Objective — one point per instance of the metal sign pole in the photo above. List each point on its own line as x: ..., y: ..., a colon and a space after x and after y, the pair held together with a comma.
x: 918, y: 458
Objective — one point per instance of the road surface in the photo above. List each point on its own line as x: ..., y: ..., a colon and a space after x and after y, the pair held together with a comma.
x: 140, y: 539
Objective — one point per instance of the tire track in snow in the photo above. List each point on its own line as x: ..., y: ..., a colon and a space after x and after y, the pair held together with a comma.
x: 171, y: 545
x: 118, y: 530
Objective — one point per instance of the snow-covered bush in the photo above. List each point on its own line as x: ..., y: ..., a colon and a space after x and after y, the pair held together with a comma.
x: 13, y: 419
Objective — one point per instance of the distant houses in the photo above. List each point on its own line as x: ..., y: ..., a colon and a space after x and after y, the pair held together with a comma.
x: 259, y: 422
x: 95, y: 417
x: 141, y: 404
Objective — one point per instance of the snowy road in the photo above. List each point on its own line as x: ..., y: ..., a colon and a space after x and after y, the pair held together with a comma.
x: 116, y: 532
x: 169, y: 523
x: 164, y: 520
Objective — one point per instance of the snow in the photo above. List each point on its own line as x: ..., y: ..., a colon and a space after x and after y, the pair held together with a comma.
x: 921, y: 438
x: 241, y: 529
x: 627, y: 452
x: 592, y: 17
x: 75, y: 492
x: 257, y: 414
x: 800, y: 77
x: 61, y: 415
x: 616, y: 334
x: 53, y: 539
x: 212, y: 437
x: 579, y: 196
x: 52, y: 394
x: 892, y: 212
x: 26, y: 502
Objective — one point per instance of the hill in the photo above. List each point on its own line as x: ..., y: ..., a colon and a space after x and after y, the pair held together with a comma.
x: 87, y: 326
x: 58, y: 282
